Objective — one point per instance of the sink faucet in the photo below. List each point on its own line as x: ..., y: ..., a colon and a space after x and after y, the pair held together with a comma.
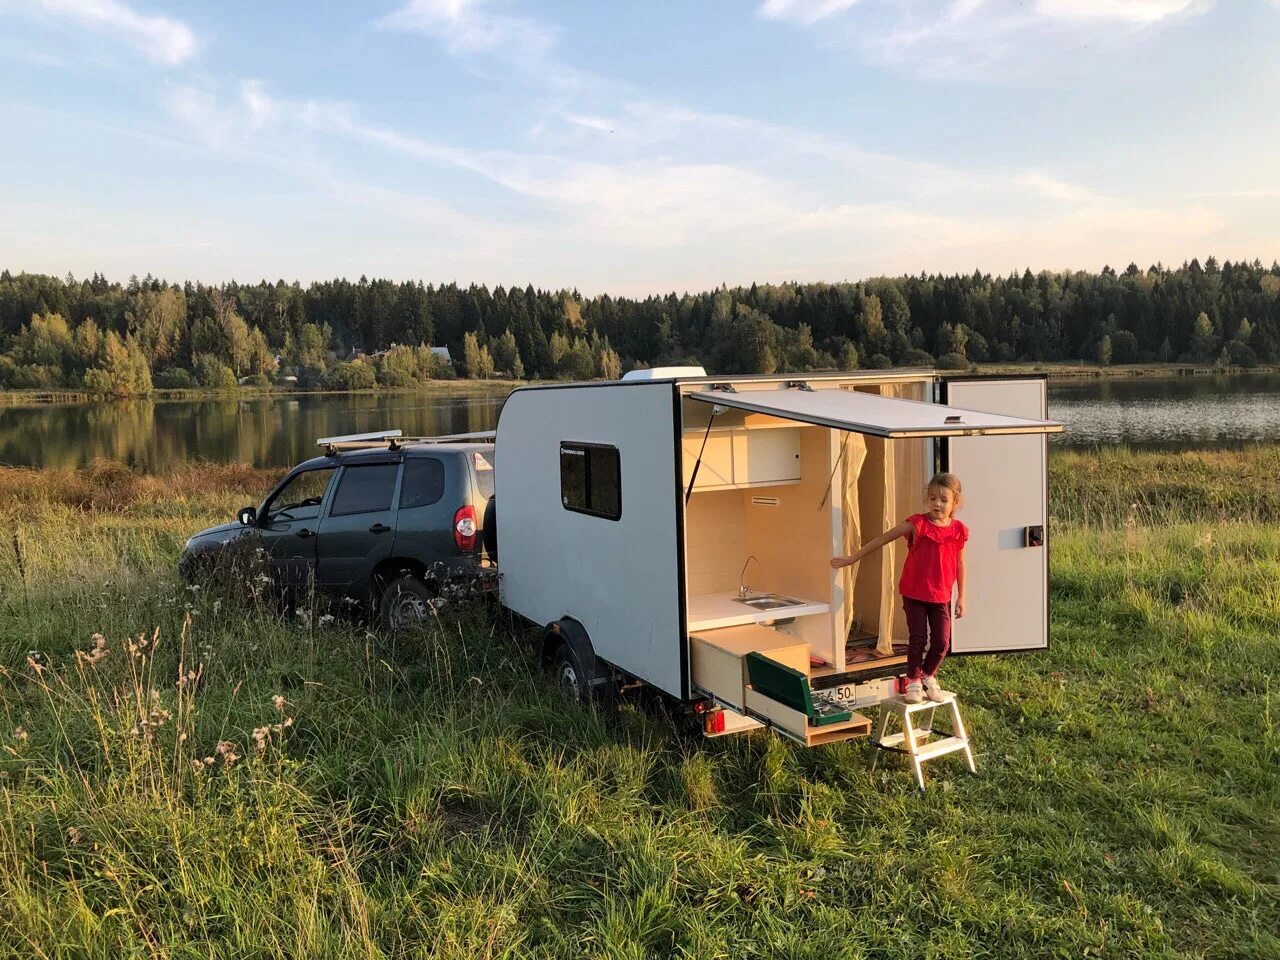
x: 743, y: 589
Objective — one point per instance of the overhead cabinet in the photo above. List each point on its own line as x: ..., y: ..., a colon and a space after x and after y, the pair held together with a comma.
x: 742, y: 457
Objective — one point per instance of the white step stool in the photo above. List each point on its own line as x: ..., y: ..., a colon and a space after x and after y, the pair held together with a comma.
x: 911, y: 740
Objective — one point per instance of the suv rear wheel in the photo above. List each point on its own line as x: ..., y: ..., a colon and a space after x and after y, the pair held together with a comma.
x: 406, y: 603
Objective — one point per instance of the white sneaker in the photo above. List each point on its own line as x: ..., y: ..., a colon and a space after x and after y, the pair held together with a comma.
x: 932, y: 690
x: 913, y: 692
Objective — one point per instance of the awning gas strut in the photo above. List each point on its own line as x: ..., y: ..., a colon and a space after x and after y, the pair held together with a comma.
x: 826, y: 493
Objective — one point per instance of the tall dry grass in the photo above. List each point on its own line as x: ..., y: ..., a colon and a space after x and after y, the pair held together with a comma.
x: 431, y: 797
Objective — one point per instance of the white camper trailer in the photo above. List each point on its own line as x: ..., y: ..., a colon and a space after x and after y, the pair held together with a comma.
x: 675, y: 529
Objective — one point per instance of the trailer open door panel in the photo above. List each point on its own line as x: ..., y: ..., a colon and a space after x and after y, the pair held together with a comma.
x: 1006, y: 509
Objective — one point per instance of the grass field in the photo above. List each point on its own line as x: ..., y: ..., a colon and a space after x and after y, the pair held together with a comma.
x: 308, y: 789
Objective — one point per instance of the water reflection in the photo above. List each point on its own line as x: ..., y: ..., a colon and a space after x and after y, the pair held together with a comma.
x: 1168, y: 412
x: 271, y: 432
x: 280, y: 431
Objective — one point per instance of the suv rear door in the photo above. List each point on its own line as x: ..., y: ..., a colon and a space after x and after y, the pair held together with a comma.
x: 359, y: 528
x: 424, y: 523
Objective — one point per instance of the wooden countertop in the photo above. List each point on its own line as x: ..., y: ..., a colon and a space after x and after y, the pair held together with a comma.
x: 710, y: 611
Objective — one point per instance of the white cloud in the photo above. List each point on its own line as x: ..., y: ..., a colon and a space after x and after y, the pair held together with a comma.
x: 968, y: 38
x: 1130, y: 11
x: 162, y: 39
x: 1054, y: 189
x: 804, y: 11
x: 471, y: 26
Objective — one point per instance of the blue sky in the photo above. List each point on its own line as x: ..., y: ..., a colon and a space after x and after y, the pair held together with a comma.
x: 634, y: 148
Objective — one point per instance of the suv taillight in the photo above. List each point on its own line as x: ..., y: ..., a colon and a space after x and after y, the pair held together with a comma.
x: 464, y: 528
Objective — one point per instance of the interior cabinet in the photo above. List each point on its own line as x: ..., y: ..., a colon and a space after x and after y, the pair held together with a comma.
x: 717, y: 657
x: 743, y: 458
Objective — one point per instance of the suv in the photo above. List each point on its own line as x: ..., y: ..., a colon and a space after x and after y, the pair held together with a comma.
x: 387, y: 524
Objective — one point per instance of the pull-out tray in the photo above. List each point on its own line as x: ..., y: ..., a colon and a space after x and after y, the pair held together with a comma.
x: 796, y: 725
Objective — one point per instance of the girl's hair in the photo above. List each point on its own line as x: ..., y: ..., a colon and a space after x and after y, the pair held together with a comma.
x: 948, y: 481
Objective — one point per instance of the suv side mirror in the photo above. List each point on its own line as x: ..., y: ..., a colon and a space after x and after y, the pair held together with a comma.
x: 247, y: 516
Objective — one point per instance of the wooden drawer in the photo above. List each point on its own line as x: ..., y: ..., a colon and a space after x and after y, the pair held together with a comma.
x: 796, y: 725
x: 717, y: 658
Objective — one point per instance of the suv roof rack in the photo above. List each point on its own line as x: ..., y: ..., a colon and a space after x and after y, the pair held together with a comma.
x: 394, y: 440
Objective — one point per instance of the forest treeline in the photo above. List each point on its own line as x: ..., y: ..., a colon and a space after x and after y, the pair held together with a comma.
x: 122, y: 339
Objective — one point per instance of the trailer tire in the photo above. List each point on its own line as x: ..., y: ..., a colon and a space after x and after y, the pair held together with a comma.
x: 575, y: 669
x: 405, y: 604
x: 567, y: 672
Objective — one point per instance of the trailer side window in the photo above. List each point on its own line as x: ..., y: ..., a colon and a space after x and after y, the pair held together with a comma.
x: 591, y: 479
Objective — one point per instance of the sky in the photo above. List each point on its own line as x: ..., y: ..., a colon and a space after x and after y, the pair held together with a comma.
x: 634, y: 148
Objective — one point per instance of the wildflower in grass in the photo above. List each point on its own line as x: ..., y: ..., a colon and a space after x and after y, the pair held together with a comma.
x: 325, y: 620
x: 260, y: 737
x: 278, y: 702
x: 21, y: 735
x: 73, y: 835
x: 197, y: 766
x: 228, y: 751
x: 97, y: 653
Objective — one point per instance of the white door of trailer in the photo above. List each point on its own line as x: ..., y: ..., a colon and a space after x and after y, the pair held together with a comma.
x: 1006, y: 508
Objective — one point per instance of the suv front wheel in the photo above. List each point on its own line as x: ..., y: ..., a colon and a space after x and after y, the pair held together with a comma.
x: 406, y: 603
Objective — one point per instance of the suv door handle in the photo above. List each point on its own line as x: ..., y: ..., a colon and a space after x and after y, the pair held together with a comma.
x: 379, y: 528
x: 304, y: 533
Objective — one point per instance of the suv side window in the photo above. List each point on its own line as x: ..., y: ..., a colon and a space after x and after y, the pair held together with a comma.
x: 365, y: 489
x: 483, y: 464
x: 300, y: 498
x: 423, y: 482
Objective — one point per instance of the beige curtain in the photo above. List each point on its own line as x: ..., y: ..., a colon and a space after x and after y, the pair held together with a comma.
x: 855, y: 453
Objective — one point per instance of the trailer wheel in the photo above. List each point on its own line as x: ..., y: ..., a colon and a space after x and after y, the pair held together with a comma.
x: 405, y: 604
x: 568, y: 674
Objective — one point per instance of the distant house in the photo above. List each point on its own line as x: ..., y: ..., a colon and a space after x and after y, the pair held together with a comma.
x: 442, y: 353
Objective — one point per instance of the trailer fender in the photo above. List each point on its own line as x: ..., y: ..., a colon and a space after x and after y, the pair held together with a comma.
x: 571, y: 633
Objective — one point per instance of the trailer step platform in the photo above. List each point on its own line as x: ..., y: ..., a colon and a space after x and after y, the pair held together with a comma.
x: 914, y: 742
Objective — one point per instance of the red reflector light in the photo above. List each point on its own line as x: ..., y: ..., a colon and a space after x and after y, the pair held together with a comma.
x: 464, y: 528
x: 700, y: 707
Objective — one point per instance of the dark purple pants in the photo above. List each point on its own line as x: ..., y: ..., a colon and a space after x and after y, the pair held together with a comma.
x: 926, y: 621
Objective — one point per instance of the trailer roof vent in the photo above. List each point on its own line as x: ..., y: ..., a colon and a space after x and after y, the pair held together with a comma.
x: 665, y: 373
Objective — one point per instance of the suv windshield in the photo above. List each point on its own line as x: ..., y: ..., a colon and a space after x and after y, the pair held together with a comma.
x: 300, y: 498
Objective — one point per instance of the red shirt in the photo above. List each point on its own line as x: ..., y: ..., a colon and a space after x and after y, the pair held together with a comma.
x: 929, y: 573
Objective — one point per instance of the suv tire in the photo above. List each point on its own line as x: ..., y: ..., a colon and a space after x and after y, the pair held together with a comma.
x: 405, y: 604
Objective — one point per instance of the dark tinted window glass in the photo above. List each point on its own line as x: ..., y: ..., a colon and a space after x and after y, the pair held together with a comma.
x: 604, y: 495
x: 300, y: 498
x: 365, y: 489
x: 423, y: 483
x: 573, y: 477
x: 591, y: 479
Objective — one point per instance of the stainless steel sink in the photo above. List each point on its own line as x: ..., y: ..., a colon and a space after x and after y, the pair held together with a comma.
x: 767, y: 601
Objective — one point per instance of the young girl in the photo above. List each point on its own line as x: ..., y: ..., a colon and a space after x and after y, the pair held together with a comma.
x: 933, y: 569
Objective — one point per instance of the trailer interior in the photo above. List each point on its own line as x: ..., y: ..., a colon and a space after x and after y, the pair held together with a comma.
x: 772, y: 501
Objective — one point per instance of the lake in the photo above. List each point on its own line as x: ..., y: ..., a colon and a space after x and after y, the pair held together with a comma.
x: 1169, y: 412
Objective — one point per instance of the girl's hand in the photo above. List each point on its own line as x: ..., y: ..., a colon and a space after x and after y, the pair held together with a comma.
x: 960, y: 608
x: 838, y: 562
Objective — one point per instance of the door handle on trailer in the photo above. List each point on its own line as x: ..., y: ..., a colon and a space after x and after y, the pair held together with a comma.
x: 304, y: 533
x: 379, y: 528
